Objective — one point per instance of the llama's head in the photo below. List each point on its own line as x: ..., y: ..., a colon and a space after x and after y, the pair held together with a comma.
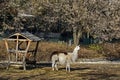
x: 77, y: 48
x: 75, y: 53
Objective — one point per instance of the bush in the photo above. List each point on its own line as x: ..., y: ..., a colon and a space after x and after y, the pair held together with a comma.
x: 111, y: 51
x: 95, y: 47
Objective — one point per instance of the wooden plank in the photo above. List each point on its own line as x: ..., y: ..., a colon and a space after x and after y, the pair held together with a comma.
x: 24, y: 62
x: 9, y: 59
x: 6, y: 44
x: 28, y: 45
x: 7, y: 47
x: 36, y: 48
x: 22, y: 51
x: 18, y: 40
x: 17, y: 48
x: 19, y: 51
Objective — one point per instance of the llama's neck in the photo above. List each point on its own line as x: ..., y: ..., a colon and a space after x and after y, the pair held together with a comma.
x: 75, y: 51
x: 74, y: 55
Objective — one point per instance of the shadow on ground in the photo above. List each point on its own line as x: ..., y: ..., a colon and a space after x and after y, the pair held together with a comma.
x: 38, y: 65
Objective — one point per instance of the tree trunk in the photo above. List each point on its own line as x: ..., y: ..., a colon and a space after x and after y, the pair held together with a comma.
x: 76, y: 35
x: 79, y: 33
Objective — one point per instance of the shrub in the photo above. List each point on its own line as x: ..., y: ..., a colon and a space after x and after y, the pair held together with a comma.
x: 95, y: 47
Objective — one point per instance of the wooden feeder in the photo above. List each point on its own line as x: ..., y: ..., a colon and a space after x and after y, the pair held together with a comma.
x: 21, y: 55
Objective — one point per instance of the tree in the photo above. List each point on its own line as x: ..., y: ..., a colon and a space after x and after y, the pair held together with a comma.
x: 96, y: 18
x: 7, y: 14
x: 75, y: 14
x: 104, y: 19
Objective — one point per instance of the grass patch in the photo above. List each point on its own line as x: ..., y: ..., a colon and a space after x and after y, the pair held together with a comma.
x: 78, y: 71
x: 95, y: 47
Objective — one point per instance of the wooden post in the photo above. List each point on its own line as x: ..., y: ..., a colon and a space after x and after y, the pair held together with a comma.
x: 24, y: 62
x: 6, y: 44
x: 16, y: 52
x: 36, y: 48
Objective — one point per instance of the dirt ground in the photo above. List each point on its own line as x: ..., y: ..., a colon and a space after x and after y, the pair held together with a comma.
x: 78, y: 72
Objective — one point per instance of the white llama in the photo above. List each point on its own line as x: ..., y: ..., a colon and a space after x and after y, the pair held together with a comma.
x: 59, y: 57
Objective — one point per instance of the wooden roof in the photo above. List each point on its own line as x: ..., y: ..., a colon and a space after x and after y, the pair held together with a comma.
x: 24, y: 36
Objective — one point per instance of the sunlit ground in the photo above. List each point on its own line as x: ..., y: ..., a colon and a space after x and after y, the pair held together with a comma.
x: 78, y: 72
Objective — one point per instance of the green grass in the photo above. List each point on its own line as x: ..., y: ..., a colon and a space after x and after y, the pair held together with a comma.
x: 95, y: 47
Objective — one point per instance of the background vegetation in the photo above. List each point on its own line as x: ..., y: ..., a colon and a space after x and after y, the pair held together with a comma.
x: 108, y: 51
x: 95, y: 19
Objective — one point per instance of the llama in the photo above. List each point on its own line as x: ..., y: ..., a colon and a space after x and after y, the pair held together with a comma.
x: 59, y: 57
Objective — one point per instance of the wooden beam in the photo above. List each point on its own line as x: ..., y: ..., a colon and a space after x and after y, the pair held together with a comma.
x: 35, y: 52
x: 20, y: 44
x: 36, y: 48
x: 24, y: 57
x: 6, y: 44
x: 28, y: 45
x: 21, y: 51
x: 7, y: 47
x: 19, y: 40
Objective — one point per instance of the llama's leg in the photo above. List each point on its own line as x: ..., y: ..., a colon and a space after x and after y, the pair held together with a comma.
x: 53, y: 65
x: 68, y: 67
x: 56, y: 66
x: 54, y: 62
